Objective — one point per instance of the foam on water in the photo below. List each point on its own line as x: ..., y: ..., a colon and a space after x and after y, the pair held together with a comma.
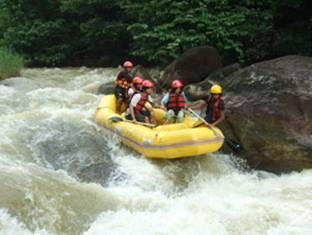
x: 60, y: 173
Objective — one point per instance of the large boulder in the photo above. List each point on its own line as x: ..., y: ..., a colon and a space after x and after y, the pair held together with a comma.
x: 201, y: 89
x: 269, y: 112
x: 193, y: 66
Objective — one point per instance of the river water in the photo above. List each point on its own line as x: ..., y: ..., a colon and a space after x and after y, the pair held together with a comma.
x: 61, y: 173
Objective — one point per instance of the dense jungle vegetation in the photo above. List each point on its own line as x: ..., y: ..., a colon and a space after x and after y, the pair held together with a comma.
x: 105, y: 32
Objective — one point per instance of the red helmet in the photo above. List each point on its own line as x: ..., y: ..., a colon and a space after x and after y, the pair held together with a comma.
x: 147, y: 83
x: 127, y: 64
x: 137, y: 80
x: 176, y: 84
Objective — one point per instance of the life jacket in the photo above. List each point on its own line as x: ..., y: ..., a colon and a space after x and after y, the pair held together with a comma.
x: 122, y: 82
x: 140, y: 105
x: 213, y: 108
x: 176, y: 101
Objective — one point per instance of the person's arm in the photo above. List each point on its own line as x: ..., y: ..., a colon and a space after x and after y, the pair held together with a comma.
x: 164, y: 101
x: 151, y: 102
x: 130, y: 91
x: 128, y: 77
x: 132, y: 113
x: 134, y: 101
x: 185, y: 98
x: 220, y: 119
x: 187, y: 102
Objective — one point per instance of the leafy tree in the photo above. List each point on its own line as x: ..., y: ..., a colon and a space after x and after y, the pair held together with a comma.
x: 64, y: 32
x: 103, y: 32
x: 10, y: 63
x: 163, y: 29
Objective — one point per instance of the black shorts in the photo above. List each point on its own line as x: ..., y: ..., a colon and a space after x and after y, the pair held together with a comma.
x: 208, y: 119
x: 120, y: 93
x: 140, y: 117
x: 176, y: 110
x: 145, y: 113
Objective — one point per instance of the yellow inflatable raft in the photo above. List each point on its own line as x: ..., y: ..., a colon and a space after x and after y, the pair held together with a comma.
x: 190, y: 138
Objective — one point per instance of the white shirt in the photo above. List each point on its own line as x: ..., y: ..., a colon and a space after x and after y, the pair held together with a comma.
x: 135, y: 100
x: 130, y: 91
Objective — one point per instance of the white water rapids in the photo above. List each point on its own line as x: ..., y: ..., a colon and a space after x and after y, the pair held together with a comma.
x: 61, y: 173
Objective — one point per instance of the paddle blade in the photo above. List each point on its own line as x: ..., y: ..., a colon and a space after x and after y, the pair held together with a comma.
x: 234, y: 145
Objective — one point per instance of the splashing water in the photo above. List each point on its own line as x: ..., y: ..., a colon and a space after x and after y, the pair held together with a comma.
x: 60, y: 173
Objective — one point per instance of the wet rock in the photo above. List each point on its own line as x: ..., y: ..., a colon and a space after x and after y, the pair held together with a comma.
x: 193, y: 66
x: 198, y: 90
x: 269, y: 112
x: 97, y: 173
x: 73, y: 147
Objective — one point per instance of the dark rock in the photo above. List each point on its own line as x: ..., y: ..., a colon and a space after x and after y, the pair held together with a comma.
x: 269, y: 112
x: 198, y: 90
x: 106, y: 88
x: 193, y: 66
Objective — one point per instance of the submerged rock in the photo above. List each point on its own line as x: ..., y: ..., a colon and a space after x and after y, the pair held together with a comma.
x: 268, y: 109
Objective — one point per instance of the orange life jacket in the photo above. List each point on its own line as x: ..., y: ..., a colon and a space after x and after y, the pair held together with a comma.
x: 176, y: 101
x: 140, y: 105
x: 122, y: 82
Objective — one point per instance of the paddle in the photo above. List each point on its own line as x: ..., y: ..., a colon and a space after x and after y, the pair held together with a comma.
x: 203, y: 120
x: 119, y: 119
x: 235, y: 146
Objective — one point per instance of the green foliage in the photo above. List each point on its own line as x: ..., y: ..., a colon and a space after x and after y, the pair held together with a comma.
x: 63, y: 32
x: 10, y: 63
x: 101, y: 30
x: 164, y: 29
x: 104, y: 32
x: 36, y: 30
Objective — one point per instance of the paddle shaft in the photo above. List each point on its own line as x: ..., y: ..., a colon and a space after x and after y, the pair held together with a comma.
x: 203, y: 120
x: 236, y: 147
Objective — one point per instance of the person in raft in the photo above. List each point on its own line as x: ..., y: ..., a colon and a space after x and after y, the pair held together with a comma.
x: 137, y: 109
x: 122, y: 83
x: 214, y: 104
x: 175, y: 103
x: 136, y: 87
